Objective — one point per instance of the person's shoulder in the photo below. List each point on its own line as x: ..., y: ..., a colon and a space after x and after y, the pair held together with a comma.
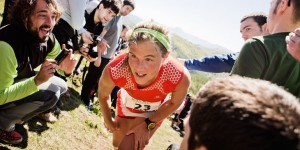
x: 7, y: 51
x: 175, y: 70
x: 253, y: 43
x: 171, y: 61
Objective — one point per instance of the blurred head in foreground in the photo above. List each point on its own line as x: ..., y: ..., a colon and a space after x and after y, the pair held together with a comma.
x: 243, y: 113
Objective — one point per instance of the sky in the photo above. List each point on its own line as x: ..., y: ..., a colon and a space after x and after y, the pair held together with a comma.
x: 216, y: 21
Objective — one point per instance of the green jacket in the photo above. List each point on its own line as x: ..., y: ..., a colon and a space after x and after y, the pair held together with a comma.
x: 267, y: 58
x: 20, y: 54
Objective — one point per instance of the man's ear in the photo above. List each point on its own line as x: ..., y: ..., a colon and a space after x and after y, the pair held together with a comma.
x: 282, y: 6
x: 101, y: 6
x: 264, y: 29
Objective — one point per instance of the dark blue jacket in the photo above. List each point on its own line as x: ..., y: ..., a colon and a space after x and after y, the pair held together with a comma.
x: 213, y: 64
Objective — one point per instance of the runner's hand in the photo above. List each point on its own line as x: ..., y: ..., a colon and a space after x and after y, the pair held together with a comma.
x: 141, y: 136
x: 111, y: 125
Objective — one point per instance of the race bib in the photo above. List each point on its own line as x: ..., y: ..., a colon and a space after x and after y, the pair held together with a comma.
x: 136, y: 104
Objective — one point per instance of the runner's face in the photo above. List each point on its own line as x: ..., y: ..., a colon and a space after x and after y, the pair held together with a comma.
x: 249, y: 28
x: 42, y: 21
x: 145, y: 60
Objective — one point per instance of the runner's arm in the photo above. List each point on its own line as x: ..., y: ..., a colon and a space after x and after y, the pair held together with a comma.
x: 105, y: 88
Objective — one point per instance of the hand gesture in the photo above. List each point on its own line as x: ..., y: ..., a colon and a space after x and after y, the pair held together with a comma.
x: 102, y: 47
x: 141, y: 136
x: 87, y: 37
x: 84, y: 52
x: 293, y: 43
x: 47, y: 70
x: 68, y: 64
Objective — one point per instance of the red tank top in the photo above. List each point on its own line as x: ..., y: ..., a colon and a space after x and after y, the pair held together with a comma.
x: 150, y: 97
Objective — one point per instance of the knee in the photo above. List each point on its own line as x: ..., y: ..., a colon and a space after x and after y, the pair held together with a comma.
x: 50, y: 99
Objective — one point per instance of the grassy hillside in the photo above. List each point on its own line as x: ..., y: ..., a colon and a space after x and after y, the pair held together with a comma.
x: 186, y: 49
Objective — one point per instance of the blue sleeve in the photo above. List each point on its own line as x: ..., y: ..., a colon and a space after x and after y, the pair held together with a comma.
x: 213, y: 64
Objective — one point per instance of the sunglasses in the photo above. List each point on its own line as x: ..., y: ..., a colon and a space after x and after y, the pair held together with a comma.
x: 289, y: 3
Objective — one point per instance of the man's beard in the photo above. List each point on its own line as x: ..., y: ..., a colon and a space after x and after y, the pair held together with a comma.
x: 35, y: 32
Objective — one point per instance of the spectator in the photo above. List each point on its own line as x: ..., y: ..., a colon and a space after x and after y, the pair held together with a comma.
x: 111, y: 33
x: 146, y: 74
x: 71, y: 24
x: 26, y: 44
x: 104, y: 12
x: 122, y: 42
x: 122, y: 45
x: 184, y: 113
x: 177, y: 121
x: 238, y: 113
x: 67, y: 28
x: 254, y: 24
x: 266, y: 57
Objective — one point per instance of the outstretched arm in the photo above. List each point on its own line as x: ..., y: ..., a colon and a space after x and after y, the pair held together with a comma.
x: 213, y: 64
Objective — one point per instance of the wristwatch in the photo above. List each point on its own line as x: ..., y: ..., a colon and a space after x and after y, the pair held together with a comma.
x: 150, y: 125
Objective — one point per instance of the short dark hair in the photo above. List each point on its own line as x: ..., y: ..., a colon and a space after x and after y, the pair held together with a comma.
x: 114, y: 5
x: 259, y: 17
x: 244, y: 113
x: 130, y: 3
x: 125, y: 26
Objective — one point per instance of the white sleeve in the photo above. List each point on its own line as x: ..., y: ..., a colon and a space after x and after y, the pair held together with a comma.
x: 92, y: 4
x: 77, y: 10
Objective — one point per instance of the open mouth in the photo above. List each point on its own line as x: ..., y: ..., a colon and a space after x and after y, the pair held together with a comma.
x: 140, y: 75
x: 45, y: 31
